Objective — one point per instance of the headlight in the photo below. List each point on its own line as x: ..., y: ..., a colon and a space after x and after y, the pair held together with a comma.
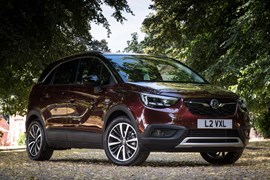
x: 242, y: 103
x: 152, y: 100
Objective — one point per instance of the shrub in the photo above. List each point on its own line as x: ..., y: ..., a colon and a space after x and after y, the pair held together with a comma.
x: 21, y: 139
x: 262, y: 123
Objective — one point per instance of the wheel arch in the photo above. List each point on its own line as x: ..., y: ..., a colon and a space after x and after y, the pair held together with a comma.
x: 141, y: 154
x: 116, y: 111
x: 34, y: 115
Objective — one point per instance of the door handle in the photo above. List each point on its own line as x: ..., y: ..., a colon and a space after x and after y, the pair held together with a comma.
x: 72, y: 100
x: 47, y: 96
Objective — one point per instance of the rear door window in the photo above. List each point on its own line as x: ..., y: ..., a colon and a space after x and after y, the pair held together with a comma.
x: 66, y: 73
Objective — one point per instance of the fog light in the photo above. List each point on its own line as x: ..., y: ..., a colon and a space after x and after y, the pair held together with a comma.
x: 158, y: 133
x: 163, y: 132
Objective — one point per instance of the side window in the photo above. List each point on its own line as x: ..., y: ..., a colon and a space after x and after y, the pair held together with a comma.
x: 66, y: 73
x: 93, y: 71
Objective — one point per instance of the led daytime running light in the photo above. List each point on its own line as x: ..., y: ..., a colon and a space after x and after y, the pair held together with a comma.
x: 152, y: 100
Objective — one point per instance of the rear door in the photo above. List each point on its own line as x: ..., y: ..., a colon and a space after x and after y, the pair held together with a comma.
x: 55, y: 100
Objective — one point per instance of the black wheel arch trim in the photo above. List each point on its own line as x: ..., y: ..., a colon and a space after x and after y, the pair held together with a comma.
x: 125, y: 109
x: 32, y: 113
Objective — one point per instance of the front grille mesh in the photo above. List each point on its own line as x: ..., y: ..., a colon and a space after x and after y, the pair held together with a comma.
x: 197, y: 107
x: 212, y: 133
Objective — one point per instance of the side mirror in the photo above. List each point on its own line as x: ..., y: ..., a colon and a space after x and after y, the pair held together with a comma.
x: 92, y: 80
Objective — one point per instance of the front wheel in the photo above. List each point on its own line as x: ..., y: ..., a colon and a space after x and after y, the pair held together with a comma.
x: 222, y: 157
x: 36, y: 145
x: 121, y: 143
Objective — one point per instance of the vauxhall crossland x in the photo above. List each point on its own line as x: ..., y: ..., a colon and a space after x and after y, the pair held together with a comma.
x: 130, y: 105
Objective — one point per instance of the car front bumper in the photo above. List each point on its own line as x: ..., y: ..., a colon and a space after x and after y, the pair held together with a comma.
x: 161, y: 137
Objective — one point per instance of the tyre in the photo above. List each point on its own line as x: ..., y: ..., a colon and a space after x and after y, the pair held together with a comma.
x: 122, y: 144
x: 222, y: 157
x: 36, y: 145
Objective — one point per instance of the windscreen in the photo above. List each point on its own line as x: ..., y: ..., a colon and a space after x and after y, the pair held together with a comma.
x: 142, y: 68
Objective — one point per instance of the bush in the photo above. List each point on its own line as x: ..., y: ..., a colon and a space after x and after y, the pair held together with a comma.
x: 21, y: 139
x: 262, y: 123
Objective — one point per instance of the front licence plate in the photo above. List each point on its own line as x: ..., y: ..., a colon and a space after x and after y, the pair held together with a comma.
x: 214, y: 123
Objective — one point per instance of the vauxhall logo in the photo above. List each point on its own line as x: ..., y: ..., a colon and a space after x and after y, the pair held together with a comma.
x: 214, y: 104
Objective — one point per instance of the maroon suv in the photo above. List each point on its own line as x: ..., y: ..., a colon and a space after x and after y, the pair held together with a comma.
x: 130, y: 105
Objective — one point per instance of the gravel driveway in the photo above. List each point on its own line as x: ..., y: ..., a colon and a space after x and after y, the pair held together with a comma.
x: 93, y: 164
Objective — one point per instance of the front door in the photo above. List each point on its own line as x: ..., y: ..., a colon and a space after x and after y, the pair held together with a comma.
x: 86, y: 99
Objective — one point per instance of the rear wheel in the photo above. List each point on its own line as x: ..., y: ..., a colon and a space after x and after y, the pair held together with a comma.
x: 121, y: 143
x: 36, y: 145
x: 222, y: 157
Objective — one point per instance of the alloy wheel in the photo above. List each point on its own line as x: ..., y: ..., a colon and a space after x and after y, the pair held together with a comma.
x: 34, y: 140
x: 122, y: 141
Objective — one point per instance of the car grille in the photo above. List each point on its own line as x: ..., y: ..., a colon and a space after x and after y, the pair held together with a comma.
x: 202, y: 107
x: 212, y: 133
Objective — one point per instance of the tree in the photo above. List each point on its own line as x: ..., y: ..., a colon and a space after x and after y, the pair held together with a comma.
x: 134, y: 45
x: 226, y: 41
x: 96, y: 45
x: 34, y: 33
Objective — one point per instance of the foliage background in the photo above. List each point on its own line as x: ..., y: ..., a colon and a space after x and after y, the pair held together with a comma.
x: 35, y: 33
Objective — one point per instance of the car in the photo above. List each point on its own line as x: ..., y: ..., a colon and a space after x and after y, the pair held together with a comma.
x: 131, y: 105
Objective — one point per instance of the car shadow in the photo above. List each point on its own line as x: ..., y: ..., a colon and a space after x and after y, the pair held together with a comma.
x: 174, y: 164
x: 150, y: 163
x: 83, y: 161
